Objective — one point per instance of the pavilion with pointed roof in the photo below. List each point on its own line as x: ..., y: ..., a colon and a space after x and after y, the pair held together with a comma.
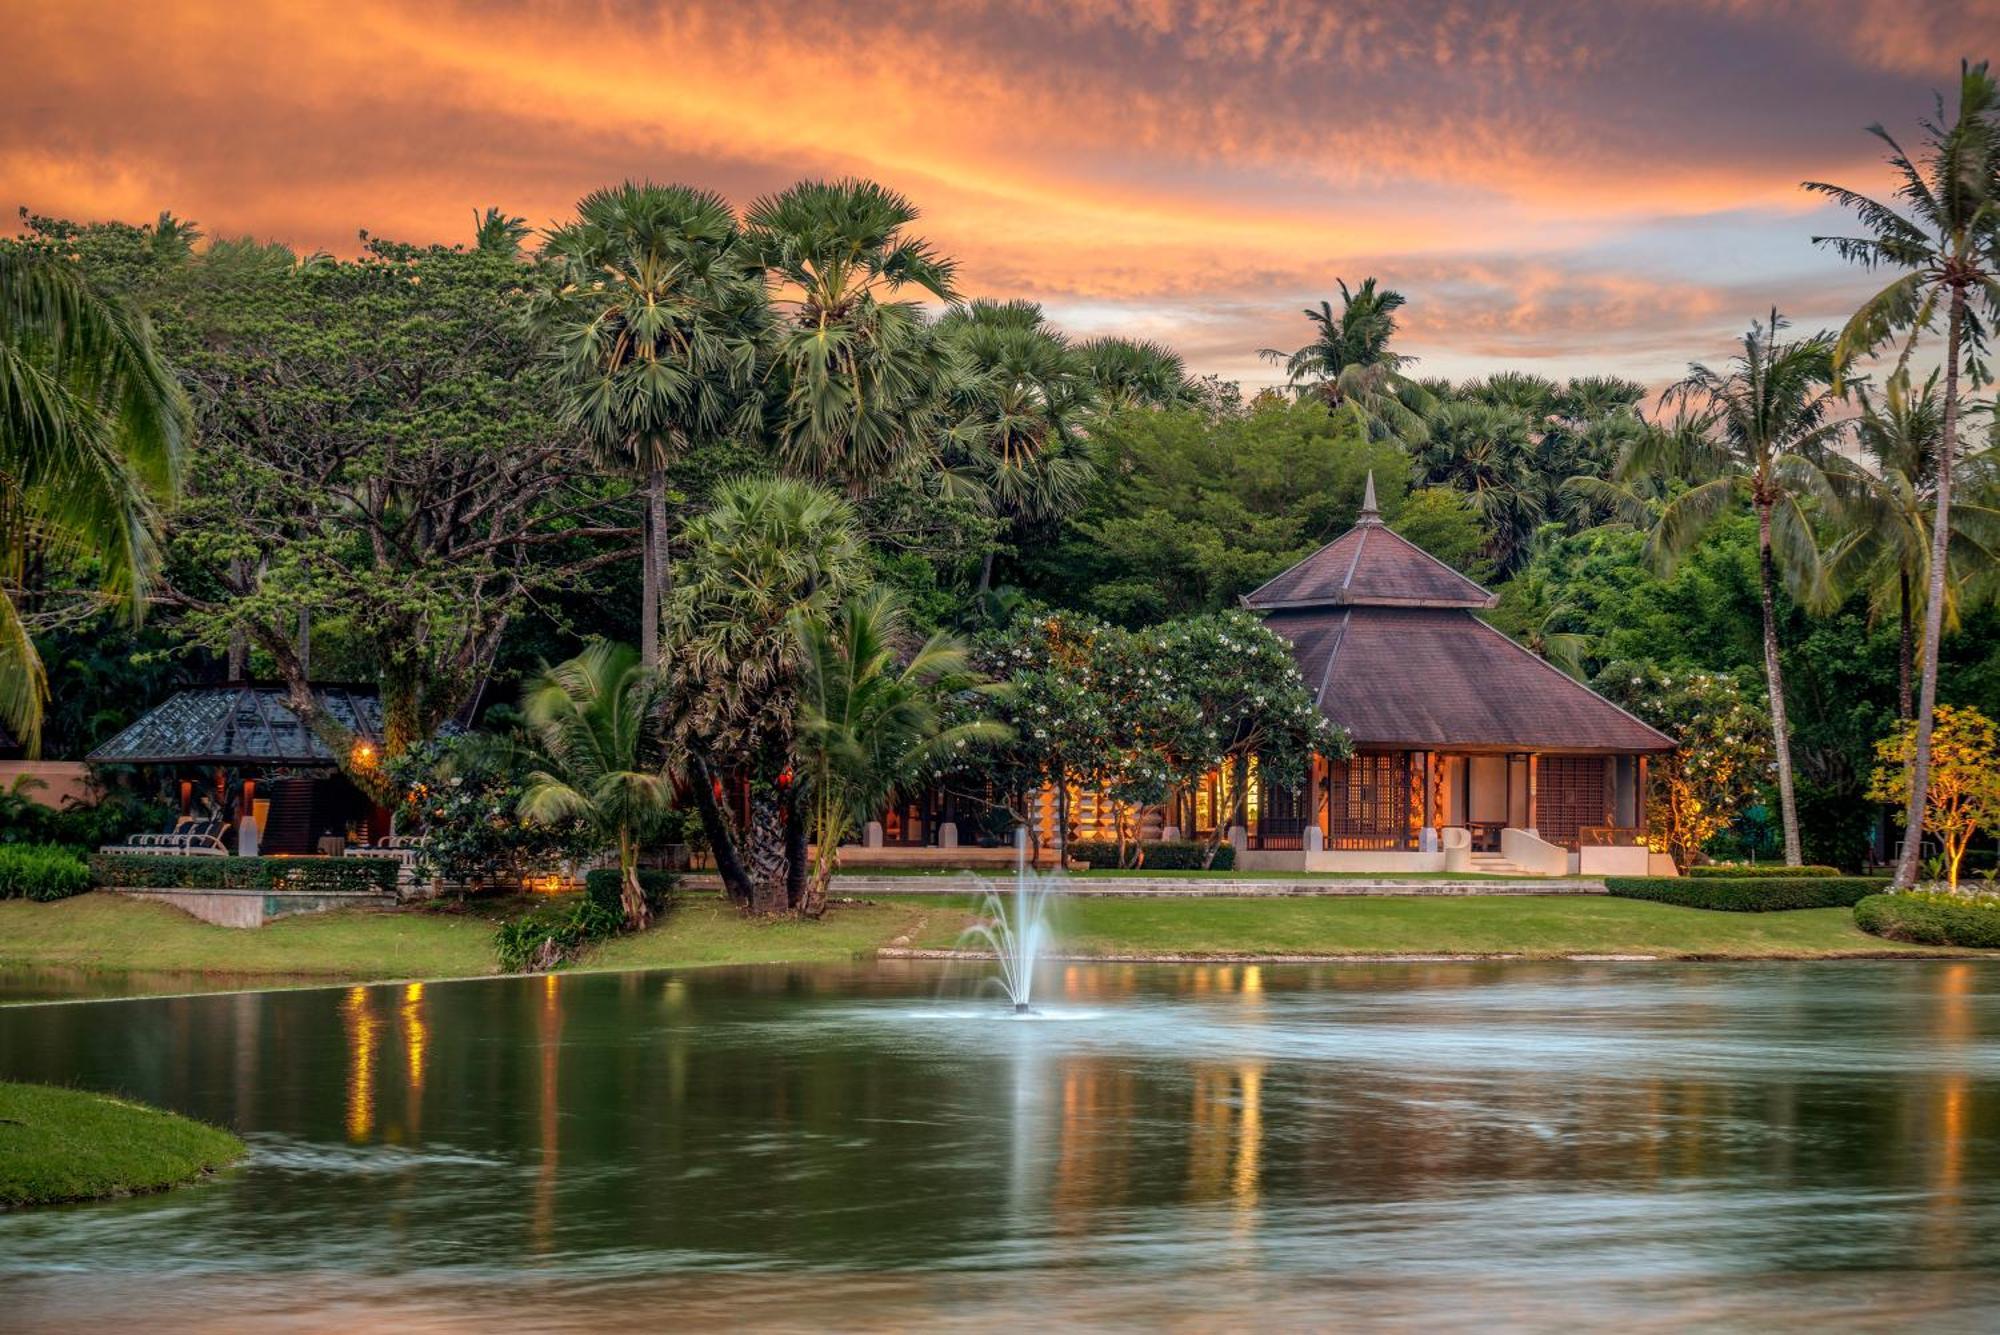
x: 1462, y: 738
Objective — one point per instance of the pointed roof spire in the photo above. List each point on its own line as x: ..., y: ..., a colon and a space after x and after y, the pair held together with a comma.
x: 1369, y: 514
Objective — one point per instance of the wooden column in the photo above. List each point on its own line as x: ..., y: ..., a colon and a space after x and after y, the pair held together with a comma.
x: 1639, y: 801
x: 1429, y: 818
x: 1534, y: 768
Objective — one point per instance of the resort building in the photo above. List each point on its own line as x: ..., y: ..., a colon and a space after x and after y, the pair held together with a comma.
x: 1470, y: 752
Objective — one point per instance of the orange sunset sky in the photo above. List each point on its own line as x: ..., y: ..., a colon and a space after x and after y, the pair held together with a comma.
x: 1556, y: 186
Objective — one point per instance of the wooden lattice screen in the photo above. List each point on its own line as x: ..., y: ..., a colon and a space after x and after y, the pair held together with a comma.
x: 1281, y: 818
x: 1570, y: 793
x: 1370, y: 806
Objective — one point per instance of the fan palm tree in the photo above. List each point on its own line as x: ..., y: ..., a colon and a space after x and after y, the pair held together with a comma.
x: 1886, y: 508
x: 870, y: 721
x: 1756, y: 435
x: 1348, y: 364
x: 1137, y: 373
x: 1488, y: 453
x: 593, y: 756
x: 1533, y: 611
x: 771, y: 552
x: 1021, y: 403
x: 1947, y: 247
x: 855, y: 374
x: 657, y: 311
x: 92, y: 428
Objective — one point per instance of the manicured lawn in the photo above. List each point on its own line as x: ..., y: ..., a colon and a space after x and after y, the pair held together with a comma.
x: 68, y: 1145
x: 705, y: 930
x: 1525, y: 925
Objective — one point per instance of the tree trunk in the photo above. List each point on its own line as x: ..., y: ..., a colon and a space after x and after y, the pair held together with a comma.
x: 714, y: 824
x: 1920, y: 760
x: 796, y: 888
x: 632, y: 895
x: 985, y: 573
x: 649, y: 579
x: 1905, y: 650
x: 1774, y: 679
x: 656, y: 551
x: 769, y: 892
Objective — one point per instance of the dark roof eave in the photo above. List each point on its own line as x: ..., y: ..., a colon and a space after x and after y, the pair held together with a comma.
x: 1312, y: 604
x: 1503, y: 748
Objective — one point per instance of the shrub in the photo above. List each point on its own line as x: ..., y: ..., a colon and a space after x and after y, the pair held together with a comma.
x: 1932, y: 919
x: 554, y: 934
x: 42, y: 872
x: 1760, y: 869
x: 141, y: 871
x: 1181, y: 855
x: 1747, y: 894
x: 604, y: 889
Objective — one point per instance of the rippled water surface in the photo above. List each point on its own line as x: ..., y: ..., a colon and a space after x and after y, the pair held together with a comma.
x: 1746, y: 1146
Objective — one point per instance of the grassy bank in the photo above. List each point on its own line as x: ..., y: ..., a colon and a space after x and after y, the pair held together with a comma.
x: 69, y: 1145
x: 1546, y: 926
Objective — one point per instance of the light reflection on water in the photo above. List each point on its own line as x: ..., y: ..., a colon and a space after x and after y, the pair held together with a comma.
x: 1441, y: 1144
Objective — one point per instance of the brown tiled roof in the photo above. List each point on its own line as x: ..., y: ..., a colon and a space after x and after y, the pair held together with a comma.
x: 1442, y: 678
x: 1369, y: 566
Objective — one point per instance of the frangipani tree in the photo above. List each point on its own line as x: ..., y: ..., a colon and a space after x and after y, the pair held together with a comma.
x: 1963, y: 796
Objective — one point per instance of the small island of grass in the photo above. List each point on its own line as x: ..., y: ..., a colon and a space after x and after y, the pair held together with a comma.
x: 72, y: 1145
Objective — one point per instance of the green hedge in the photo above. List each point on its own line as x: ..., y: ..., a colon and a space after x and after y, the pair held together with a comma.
x: 1747, y: 894
x: 42, y: 872
x: 1759, y: 869
x: 603, y: 888
x: 143, y: 871
x: 1181, y: 855
x: 1932, y: 919
x: 551, y: 936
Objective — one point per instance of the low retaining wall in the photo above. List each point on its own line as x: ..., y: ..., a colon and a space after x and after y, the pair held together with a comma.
x: 254, y: 908
x: 1188, y: 887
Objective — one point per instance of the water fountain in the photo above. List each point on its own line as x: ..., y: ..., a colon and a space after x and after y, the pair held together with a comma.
x: 1015, y: 927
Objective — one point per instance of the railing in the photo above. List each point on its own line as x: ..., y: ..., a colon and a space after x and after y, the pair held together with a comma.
x: 1283, y: 834
x: 1610, y: 836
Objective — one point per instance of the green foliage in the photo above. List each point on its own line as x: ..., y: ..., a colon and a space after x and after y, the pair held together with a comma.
x: 1932, y: 918
x: 605, y: 887
x: 143, y: 871
x: 1718, y: 765
x: 1154, y: 855
x: 1754, y: 870
x: 42, y: 872
x: 109, y: 820
x: 464, y: 793
x: 1189, y: 511
x: 553, y: 935
x: 1447, y: 523
x: 1748, y: 894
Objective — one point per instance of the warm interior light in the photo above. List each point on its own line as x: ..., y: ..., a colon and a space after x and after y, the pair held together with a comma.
x: 364, y: 754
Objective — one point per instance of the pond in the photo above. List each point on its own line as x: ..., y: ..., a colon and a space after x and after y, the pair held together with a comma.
x: 1464, y: 1145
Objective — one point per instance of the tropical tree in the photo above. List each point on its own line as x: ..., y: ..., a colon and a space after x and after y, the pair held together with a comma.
x: 92, y: 429
x: 1137, y: 373
x: 1488, y: 453
x: 1756, y: 435
x: 1720, y: 755
x: 1021, y: 405
x: 1946, y: 246
x: 594, y: 756
x: 771, y: 554
x: 870, y: 721
x: 657, y: 310
x: 1348, y: 364
x: 854, y: 375
x: 498, y: 233
x: 1963, y: 796
x: 1886, y: 507
x: 1535, y: 611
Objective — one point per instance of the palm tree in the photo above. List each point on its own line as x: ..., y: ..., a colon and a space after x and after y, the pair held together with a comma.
x: 870, y: 722
x: 92, y: 428
x: 771, y: 552
x: 855, y: 375
x: 1021, y: 404
x: 1755, y: 435
x: 1348, y: 364
x: 594, y: 756
x: 1948, y: 248
x: 1137, y: 373
x: 497, y: 233
x: 658, y: 311
x: 1533, y: 611
x: 1489, y: 454
x: 1886, y: 509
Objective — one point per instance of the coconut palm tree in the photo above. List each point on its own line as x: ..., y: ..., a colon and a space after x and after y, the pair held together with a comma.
x: 854, y: 374
x: 871, y: 721
x: 497, y: 233
x: 92, y: 428
x: 657, y: 310
x: 1886, y: 506
x: 1946, y: 246
x: 1348, y: 364
x: 1756, y: 435
x: 1020, y: 405
x: 771, y: 552
x: 1137, y: 373
x: 594, y: 757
